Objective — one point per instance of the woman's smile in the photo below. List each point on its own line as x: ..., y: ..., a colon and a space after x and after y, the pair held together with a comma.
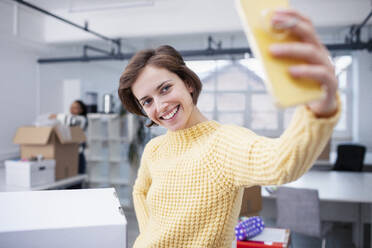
x: 170, y: 115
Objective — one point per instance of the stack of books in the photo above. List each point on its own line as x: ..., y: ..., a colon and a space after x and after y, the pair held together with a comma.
x: 269, y: 238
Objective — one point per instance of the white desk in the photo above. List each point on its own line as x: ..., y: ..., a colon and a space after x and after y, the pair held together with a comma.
x: 341, y: 188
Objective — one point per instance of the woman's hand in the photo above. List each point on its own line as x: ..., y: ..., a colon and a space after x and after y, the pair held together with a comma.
x: 52, y: 116
x: 319, y: 66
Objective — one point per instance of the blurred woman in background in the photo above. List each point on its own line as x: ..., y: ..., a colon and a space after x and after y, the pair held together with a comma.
x: 77, y: 117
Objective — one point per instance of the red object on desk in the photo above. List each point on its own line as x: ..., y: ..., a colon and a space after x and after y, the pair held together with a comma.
x: 269, y: 238
x: 258, y: 244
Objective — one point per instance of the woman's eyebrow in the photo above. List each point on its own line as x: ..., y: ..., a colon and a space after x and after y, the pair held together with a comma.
x: 157, y: 88
x: 162, y: 83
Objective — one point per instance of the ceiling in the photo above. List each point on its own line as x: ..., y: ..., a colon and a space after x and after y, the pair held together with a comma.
x: 150, y: 18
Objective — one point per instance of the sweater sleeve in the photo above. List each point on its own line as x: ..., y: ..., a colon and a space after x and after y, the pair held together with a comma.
x: 140, y: 189
x: 250, y: 159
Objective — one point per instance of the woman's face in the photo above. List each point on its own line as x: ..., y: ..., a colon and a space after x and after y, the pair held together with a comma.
x: 75, y: 108
x: 164, y: 97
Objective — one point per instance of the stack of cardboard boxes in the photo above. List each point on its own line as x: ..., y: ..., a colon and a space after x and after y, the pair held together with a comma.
x: 51, y: 143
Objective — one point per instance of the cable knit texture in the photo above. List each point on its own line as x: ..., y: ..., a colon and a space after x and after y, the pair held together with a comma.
x: 190, y: 183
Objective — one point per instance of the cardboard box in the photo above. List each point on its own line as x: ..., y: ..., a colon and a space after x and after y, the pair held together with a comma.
x: 62, y: 218
x: 251, y: 202
x: 52, y: 144
x: 29, y: 173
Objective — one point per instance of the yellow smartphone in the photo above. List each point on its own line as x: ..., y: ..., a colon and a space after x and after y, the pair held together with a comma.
x: 286, y: 90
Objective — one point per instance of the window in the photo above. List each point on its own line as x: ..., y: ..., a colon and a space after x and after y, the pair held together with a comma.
x: 234, y: 92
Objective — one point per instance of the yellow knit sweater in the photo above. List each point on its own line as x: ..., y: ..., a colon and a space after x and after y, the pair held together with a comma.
x: 190, y: 183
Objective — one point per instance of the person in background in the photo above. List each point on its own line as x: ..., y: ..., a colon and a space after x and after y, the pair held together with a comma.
x: 77, y: 117
x: 189, y: 186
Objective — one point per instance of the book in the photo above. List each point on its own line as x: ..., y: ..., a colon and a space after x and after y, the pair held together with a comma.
x: 269, y: 238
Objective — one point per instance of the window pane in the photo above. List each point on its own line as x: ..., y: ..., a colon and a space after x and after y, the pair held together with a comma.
x: 256, y: 85
x: 208, y: 115
x: 231, y: 118
x: 232, y: 78
x: 206, y: 102
x: 342, y: 79
x: 255, y: 78
x: 342, y: 123
x: 205, y: 69
x: 208, y: 83
x: 264, y: 113
x: 201, y: 67
x: 342, y: 63
x: 264, y: 120
x: 253, y: 65
x: 288, y: 114
x: 230, y: 101
x: 262, y: 102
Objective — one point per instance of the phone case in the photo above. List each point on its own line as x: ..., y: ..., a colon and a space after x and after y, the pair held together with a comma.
x: 286, y: 90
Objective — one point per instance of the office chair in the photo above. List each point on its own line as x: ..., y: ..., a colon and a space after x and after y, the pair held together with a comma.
x: 299, y: 211
x: 350, y: 157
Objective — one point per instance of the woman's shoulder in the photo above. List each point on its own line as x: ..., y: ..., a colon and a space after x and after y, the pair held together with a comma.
x: 231, y: 129
x: 154, y: 144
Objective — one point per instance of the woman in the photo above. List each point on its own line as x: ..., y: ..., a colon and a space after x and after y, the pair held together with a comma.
x: 190, y: 182
x: 77, y: 117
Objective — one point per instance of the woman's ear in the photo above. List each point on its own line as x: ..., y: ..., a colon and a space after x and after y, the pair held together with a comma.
x: 190, y: 88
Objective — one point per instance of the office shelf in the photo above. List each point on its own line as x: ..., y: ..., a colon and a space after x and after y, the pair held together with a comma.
x: 108, y: 140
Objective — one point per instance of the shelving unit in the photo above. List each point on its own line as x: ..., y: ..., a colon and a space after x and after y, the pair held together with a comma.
x: 108, y: 140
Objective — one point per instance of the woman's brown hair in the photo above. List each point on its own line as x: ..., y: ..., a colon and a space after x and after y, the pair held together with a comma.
x: 165, y: 57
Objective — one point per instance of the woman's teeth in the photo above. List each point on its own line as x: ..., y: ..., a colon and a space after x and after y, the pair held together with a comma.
x: 171, y: 114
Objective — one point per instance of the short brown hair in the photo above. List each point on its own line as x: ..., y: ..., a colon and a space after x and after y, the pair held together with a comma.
x: 162, y: 57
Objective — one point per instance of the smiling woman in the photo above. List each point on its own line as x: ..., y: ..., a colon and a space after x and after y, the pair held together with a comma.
x: 190, y: 183
x: 166, y: 99
x: 155, y: 75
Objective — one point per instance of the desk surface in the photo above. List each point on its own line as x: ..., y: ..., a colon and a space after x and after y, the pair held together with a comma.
x: 337, y: 186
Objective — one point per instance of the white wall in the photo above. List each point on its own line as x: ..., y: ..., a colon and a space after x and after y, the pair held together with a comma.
x: 100, y: 77
x: 19, y: 73
x: 362, y: 121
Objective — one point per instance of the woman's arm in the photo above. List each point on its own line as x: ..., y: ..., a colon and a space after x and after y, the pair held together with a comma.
x: 140, y: 189
x: 252, y: 159
x: 248, y: 159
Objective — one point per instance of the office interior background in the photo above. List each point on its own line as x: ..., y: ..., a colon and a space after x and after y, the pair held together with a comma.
x: 46, y: 64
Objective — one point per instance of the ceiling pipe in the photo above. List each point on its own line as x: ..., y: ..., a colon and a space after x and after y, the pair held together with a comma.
x: 198, y: 53
x: 350, y: 44
x: 355, y: 30
x: 84, y: 28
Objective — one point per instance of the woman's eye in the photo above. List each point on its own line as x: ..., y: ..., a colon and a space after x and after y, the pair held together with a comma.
x: 165, y: 88
x: 146, y: 102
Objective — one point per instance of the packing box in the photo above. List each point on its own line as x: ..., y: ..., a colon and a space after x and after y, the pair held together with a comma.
x: 251, y: 202
x: 62, y: 218
x: 52, y: 143
x: 29, y: 173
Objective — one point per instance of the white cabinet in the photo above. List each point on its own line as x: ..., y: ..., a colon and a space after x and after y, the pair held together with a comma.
x: 108, y: 140
x: 62, y: 218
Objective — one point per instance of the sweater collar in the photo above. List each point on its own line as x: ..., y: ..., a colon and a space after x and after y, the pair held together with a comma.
x: 193, y: 133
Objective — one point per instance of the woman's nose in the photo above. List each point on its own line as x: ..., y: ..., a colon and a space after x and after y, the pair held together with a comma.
x: 159, y: 105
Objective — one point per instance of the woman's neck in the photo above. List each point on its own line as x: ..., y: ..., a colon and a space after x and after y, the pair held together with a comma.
x: 196, y: 117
